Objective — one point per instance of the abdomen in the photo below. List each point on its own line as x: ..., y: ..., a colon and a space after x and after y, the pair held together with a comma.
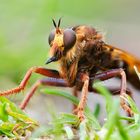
x: 125, y: 60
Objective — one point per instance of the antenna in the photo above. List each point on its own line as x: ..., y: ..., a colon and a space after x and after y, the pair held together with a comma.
x: 59, y: 22
x: 54, y: 23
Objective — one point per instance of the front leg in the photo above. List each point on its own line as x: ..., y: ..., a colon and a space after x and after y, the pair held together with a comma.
x: 39, y: 70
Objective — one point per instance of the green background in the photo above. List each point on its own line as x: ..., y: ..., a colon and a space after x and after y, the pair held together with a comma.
x: 26, y: 24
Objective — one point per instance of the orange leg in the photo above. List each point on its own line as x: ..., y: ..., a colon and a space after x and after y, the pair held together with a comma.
x: 80, y: 109
x: 39, y: 70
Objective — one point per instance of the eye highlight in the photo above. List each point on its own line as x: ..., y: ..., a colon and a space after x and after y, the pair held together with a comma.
x: 51, y: 36
x: 69, y: 38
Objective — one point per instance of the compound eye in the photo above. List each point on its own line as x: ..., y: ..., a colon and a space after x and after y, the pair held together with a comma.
x: 69, y: 38
x: 51, y: 36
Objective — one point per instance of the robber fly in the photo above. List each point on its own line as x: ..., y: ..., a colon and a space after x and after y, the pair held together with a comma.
x: 83, y: 57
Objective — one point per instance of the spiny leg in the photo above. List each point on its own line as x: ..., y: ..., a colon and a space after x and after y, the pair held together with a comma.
x: 113, y: 73
x: 45, y: 81
x: 39, y: 70
x: 80, y: 109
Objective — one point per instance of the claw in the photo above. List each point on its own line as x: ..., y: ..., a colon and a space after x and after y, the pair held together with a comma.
x: 81, y: 115
x: 79, y: 111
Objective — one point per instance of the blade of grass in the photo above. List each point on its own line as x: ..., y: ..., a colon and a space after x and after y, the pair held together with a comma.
x: 122, y: 131
x: 12, y: 105
x: 97, y: 110
x: 132, y: 104
x: 129, y: 119
x: 69, y: 132
x: 102, y: 90
x: 137, y: 72
x: 6, y: 133
x: 113, y: 113
x: 83, y: 131
x: 75, y: 101
x: 66, y: 118
x: 61, y: 93
x: 20, y: 117
x: 3, y: 113
x: 112, y: 117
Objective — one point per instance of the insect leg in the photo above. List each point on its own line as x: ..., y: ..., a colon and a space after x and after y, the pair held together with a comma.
x: 113, y: 91
x: 75, y: 93
x: 80, y: 109
x: 39, y: 70
x: 45, y: 81
x: 117, y: 92
x: 113, y: 73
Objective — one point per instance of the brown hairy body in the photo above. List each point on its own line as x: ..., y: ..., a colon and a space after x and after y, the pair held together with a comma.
x: 91, y: 54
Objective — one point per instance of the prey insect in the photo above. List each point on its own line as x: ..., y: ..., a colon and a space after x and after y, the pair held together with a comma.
x: 83, y: 57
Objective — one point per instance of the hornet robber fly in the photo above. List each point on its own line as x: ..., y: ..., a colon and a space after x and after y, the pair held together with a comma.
x: 83, y: 57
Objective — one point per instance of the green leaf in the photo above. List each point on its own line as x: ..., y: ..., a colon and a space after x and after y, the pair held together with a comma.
x: 129, y: 119
x: 132, y: 104
x: 3, y: 113
x: 83, y: 131
x: 96, y: 112
x: 11, y: 104
x: 112, y: 119
x: 69, y: 132
x: 6, y: 129
x: 122, y: 131
x: 6, y: 133
x: 75, y: 101
x: 20, y: 117
x: 14, y: 122
x: 67, y: 118
x: 108, y: 97
x: 61, y: 93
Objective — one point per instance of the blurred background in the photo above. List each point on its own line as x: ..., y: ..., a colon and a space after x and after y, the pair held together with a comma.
x: 24, y: 30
